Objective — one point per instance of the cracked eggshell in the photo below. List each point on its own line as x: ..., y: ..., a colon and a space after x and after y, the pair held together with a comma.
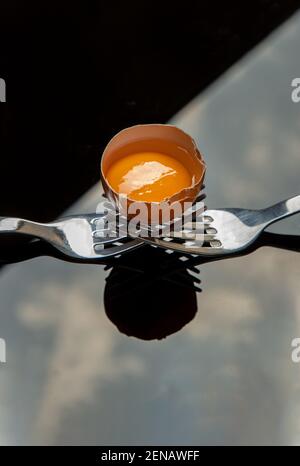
x: 157, y: 138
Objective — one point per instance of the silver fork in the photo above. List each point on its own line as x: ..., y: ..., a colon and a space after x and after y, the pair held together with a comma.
x: 73, y: 236
x: 227, y: 231
x: 83, y: 237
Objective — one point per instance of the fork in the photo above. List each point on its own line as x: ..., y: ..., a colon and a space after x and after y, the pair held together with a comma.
x: 227, y: 231
x: 74, y: 236
x: 81, y: 236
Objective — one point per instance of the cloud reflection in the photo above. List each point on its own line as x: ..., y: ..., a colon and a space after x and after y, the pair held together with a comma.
x: 83, y: 355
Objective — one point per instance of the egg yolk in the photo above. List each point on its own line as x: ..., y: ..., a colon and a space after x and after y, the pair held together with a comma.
x: 148, y: 176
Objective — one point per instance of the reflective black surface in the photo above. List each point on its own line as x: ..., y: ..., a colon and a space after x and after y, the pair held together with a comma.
x: 210, y: 367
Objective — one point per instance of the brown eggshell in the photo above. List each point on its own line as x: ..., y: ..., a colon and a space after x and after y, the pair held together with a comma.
x: 166, y: 139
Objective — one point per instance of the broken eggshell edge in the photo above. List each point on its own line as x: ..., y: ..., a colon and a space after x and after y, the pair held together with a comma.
x: 167, y: 139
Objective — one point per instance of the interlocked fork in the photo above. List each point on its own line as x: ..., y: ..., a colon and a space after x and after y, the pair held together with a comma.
x: 224, y: 231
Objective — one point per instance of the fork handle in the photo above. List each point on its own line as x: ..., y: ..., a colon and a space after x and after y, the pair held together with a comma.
x: 13, y: 225
x: 10, y: 225
x: 281, y: 210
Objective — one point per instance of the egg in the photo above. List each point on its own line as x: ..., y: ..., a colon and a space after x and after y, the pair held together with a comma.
x: 148, y: 176
x: 151, y: 164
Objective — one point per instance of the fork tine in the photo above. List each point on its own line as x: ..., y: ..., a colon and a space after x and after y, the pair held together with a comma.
x: 100, y: 216
x: 189, y: 246
x: 194, y: 210
x: 112, y: 251
x: 192, y: 213
x: 189, y: 234
x: 107, y: 239
x: 199, y: 223
x: 207, y: 218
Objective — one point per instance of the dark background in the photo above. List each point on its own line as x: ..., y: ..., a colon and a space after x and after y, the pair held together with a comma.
x: 77, y: 72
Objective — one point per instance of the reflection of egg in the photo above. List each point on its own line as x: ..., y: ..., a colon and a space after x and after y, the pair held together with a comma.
x: 148, y: 176
x: 126, y: 289
x: 151, y: 164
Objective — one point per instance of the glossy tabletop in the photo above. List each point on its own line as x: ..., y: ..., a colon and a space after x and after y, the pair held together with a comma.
x: 134, y: 353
